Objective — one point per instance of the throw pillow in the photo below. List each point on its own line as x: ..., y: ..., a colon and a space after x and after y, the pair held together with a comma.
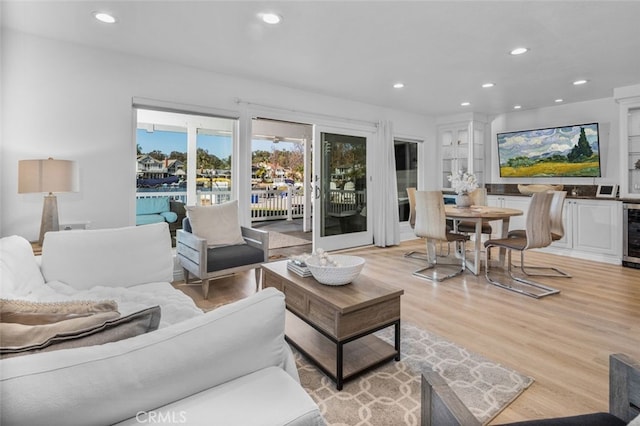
x: 87, y: 329
x: 635, y: 421
x: 19, y: 272
x: 218, y: 224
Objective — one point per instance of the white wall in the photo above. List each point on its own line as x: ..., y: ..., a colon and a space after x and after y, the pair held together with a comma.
x: 66, y: 101
x: 603, y: 111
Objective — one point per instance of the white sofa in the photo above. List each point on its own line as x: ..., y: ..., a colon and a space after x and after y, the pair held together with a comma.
x: 230, y: 366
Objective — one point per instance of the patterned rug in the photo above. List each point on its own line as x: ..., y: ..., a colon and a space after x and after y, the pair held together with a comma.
x: 280, y: 240
x: 390, y: 394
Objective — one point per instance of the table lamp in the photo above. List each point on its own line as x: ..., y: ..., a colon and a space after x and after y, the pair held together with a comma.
x: 46, y: 176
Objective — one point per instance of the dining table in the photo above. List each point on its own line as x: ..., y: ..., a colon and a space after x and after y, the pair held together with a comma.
x: 478, y: 215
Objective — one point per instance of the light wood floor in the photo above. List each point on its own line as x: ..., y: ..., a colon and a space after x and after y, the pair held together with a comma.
x: 562, y: 341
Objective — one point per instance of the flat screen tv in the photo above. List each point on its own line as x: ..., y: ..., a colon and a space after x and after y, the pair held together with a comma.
x: 567, y: 151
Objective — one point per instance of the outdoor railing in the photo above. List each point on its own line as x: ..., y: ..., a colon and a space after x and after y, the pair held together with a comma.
x: 273, y: 204
x: 269, y: 204
x: 345, y: 202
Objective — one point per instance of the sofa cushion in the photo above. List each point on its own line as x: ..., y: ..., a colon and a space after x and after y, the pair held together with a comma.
x: 118, y: 257
x: 169, y: 216
x: 94, y: 329
x: 152, y: 205
x: 218, y: 224
x: 148, y: 371
x: 19, y: 272
x: 266, y: 397
x: 146, y: 219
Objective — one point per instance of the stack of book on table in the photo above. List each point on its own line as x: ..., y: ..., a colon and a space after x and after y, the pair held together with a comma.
x: 299, y: 268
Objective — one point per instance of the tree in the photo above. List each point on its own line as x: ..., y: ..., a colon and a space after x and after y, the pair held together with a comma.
x: 177, y: 155
x: 582, y: 150
x: 260, y: 156
x: 157, y: 154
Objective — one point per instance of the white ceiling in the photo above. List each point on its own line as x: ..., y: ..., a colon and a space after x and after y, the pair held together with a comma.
x: 442, y: 51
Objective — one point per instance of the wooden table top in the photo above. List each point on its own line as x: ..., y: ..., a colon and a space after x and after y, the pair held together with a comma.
x: 480, y: 212
x: 362, y: 292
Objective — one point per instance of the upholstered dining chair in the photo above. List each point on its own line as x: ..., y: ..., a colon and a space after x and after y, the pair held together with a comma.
x: 557, y: 232
x: 537, y: 235
x: 411, y: 195
x: 431, y: 224
x: 478, y: 198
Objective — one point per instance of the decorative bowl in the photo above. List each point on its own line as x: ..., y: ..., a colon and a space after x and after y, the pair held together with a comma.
x: 345, y: 270
x: 531, y: 189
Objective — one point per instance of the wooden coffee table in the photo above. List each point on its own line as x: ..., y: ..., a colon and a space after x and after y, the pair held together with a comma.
x: 333, y: 326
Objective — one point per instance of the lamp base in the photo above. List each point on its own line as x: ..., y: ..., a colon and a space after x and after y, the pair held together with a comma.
x: 49, y: 216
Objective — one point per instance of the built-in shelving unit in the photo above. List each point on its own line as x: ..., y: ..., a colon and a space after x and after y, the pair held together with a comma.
x: 633, y: 144
x: 629, y: 100
x: 461, y: 141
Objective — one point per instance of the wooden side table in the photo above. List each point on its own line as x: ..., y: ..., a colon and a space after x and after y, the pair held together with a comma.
x: 333, y: 326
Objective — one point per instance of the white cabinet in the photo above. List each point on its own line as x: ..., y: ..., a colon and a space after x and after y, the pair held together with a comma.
x: 592, y: 228
x: 629, y: 100
x: 462, y: 147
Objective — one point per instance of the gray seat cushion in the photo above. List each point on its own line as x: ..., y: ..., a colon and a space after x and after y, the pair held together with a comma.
x: 226, y: 257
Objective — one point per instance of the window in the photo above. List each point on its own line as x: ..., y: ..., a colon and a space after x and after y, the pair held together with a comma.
x: 406, y: 153
x: 186, y: 157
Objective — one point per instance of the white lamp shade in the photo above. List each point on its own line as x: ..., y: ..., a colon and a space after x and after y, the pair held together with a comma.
x: 46, y: 176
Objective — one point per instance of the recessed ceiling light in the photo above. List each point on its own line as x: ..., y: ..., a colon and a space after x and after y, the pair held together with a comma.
x: 487, y: 85
x: 398, y: 85
x: 465, y: 103
x: 559, y: 100
x: 579, y: 82
x: 517, y: 106
x: 271, y: 18
x: 104, y: 17
x: 519, y: 51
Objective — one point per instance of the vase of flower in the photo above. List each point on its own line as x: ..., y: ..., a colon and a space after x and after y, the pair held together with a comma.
x: 463, y: 183
x: 463, y: 200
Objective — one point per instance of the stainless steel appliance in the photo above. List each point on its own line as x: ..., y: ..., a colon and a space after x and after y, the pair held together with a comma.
x: 631, y: 236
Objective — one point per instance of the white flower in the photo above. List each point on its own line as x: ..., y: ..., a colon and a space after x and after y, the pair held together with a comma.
x: 463, y: 182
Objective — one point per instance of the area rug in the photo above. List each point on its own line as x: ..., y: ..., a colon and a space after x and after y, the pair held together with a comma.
x: 390, y: 394
x: 280, y: 240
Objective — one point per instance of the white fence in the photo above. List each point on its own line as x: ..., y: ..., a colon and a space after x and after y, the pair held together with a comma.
x: 270, y: 204
x: 274, y: 204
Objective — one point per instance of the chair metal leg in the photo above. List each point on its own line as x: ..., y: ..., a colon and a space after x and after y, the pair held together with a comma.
x: 435, y: 276
x: 547, y: 290
x: 416, y: 255
x: 525, y: 270
x: 424, y: 256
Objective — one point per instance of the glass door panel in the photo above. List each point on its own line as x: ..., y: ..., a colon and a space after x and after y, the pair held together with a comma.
x: 341, y: 190
x: 406, y: 154
x: 213, y: 165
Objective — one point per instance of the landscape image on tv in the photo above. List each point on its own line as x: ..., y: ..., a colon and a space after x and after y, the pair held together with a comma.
x: 568, y: 151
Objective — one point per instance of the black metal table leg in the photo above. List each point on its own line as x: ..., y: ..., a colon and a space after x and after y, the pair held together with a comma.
x: 339, y: 361
x: 397, y: 344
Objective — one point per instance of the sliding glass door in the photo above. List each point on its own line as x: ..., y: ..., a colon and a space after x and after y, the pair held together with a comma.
x: 341, y: 190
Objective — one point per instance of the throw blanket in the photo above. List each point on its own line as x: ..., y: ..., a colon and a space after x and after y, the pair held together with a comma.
x: 175, y: 306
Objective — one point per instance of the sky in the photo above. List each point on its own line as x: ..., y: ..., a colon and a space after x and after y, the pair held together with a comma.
x: 219, y: 146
